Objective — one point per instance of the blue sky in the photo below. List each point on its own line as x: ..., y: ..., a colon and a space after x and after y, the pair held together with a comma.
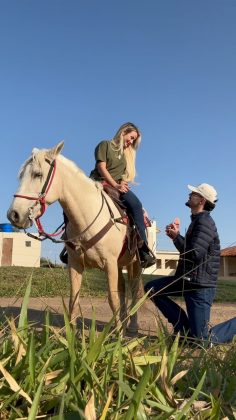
x: 77, y: 70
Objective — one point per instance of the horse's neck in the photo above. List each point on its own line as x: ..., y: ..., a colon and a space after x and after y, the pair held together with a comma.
x: 79, y: 197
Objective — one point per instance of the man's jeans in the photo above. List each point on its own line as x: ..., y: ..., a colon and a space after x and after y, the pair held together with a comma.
x: 223, y: 332
x: 134, y: 207
x: 198, y: 305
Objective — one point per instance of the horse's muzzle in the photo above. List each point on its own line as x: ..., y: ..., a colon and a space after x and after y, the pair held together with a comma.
x: 15, y: 219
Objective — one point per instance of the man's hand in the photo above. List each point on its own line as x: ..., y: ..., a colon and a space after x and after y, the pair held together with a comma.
x: 172, y: 230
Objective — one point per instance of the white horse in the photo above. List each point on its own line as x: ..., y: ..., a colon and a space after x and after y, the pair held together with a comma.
x: 96, y: 236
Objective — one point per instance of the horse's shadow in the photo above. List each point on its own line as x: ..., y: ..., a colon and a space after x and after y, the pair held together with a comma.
x: 37, y: 318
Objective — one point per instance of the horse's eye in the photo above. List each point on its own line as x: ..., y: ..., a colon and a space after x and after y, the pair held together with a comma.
x: 37, y: 174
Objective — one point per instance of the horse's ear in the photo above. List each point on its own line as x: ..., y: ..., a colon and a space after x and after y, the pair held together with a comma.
x: 34, y: 150
x: 55, y: 151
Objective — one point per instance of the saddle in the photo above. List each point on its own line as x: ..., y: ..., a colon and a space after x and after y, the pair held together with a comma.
x: 111, y: 191
x: 132, y: 239
x: 115, y: 196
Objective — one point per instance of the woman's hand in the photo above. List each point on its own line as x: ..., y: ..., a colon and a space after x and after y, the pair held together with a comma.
x: 123, y: 187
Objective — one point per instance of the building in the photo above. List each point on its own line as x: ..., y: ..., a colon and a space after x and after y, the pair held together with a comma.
x: 166, y: 260
x: 18, y: 249
x: 228, y: 263
x: 166, y: 263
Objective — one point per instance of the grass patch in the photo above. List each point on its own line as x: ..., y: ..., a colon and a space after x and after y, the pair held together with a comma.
x: 67, y: 374
x: 49, y: 282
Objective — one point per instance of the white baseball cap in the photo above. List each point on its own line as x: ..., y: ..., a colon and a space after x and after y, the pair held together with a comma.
x: 206, y: 191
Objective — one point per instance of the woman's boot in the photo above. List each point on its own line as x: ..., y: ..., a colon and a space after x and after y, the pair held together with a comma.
x: 147, y: 258
x: 64, y: 256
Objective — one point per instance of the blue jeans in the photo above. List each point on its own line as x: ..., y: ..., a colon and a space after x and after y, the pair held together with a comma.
x: 198, y: 305
x: 223, y: 332
x: 135, y: 209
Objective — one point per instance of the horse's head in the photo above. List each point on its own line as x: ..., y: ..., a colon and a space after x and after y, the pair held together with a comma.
x: 36, y: 177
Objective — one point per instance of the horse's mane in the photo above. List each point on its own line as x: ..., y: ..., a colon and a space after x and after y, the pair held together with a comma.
x: 23, y: 167
x: 38, y: 156
x: 70, y: 164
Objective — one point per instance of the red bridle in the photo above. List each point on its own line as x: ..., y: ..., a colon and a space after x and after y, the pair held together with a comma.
x: 42, y: 198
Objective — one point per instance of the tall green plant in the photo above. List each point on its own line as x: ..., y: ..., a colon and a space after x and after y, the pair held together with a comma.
x: 64, y: 373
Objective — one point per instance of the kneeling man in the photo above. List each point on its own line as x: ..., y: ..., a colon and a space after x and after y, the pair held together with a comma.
x: 196, y: 274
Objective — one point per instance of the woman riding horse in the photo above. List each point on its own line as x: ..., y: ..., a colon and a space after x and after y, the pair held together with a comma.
x: 115, y: 166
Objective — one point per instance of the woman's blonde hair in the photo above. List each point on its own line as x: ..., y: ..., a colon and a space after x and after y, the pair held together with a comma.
x: 129, y: 152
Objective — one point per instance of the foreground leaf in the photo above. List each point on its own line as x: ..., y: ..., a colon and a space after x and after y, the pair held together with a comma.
x: 13, y: 384
x: 139, y: 394
x: 89, y: 412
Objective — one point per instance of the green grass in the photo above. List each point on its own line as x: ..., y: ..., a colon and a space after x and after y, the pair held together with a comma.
x: 48, y: 282
x: 66, y: 374
x: 51, y: 282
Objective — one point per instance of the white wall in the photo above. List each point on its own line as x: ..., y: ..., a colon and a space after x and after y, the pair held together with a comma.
x: 166, y: 263
x: 26, y: 251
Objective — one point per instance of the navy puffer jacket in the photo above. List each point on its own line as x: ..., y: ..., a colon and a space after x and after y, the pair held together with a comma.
x: 199, y: 251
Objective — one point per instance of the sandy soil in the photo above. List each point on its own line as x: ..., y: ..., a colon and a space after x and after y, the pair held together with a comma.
x: 147, y: 313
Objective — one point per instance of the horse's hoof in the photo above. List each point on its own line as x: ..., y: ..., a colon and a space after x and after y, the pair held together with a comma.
x: 132, y: 331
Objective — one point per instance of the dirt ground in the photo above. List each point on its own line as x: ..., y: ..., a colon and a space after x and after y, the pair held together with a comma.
x: 147, y: 313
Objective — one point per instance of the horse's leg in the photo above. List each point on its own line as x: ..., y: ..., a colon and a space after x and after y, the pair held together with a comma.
x: 75, y: 272
x: 136, y: 287
x: 122, y: 297
x: 113, y: 291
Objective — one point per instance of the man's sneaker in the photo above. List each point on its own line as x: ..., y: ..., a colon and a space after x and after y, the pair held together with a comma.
x: 64, y: 256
